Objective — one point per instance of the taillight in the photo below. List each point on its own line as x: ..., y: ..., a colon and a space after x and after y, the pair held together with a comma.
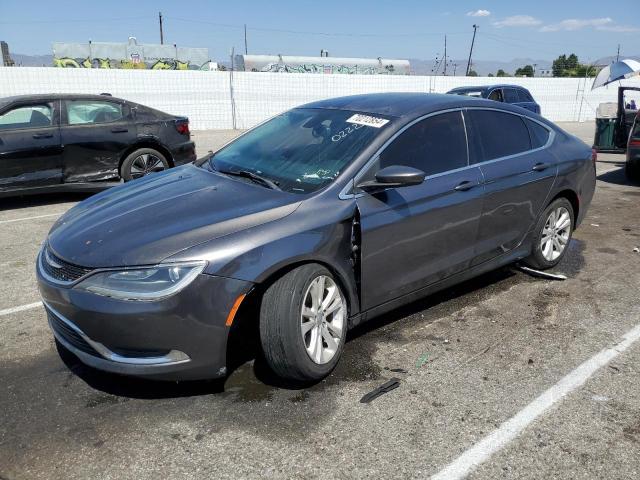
x: 182, y: 126
x: 634, y: 142
x: 594, y: 156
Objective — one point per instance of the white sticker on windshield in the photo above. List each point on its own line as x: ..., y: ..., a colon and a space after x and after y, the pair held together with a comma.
x: 367, y: 120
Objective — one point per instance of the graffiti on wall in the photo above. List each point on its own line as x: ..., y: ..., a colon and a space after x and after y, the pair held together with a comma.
x: 328, y: 65
x: 129, y: 55
x: 164, y: 64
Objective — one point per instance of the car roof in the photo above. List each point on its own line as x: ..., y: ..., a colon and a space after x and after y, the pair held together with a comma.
x: 486, y: 87
x: 62, y: 96
x: 406, y: 105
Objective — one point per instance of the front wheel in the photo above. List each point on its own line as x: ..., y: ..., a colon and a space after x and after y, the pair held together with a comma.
x: 552, y: 235
x: 303, y: 324
x: 142, y: 162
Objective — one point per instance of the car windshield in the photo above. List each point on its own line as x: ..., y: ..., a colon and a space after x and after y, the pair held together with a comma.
x: 470, y: 93
x: 298, y: 151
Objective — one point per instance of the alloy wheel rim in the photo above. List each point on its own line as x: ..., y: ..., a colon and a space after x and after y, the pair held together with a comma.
x: 145, y: 164
x: 322, y: 319
x: 555, y: 234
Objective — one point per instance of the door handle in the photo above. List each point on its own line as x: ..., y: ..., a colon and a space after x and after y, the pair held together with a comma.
x: 538, y: 167
x: 119, y: 130
x: 464, y: 186
x: 43, y: 135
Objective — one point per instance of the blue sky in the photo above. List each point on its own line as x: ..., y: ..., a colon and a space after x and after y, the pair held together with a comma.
x: 540, y: 29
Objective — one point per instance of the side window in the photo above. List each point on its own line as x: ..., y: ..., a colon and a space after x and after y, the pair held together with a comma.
x: 524, y: 96
x: 434, y: 145
x: 92, y: 111
x: 510, y: 95
x: 31, y: 116
x: 489, y: 129
x: 539, y: 134
x: 496, y: 95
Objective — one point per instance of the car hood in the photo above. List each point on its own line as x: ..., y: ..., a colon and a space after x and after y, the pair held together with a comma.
x: 148, y: 220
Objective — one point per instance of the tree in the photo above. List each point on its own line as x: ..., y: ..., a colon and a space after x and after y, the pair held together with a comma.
x: 472, y: 73
x: 501, y: 73
x: 490, y: 75
x: 526, y: 71
x: 570, y: 66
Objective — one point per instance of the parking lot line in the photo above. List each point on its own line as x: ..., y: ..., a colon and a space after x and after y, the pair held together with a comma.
x: 510, y: 429
x: 31, y: 218
x: 28, y: 306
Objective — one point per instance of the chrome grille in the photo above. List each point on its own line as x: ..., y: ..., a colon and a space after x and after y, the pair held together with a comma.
x: 59, y: 270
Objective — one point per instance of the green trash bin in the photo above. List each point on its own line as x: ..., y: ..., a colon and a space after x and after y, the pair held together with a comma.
x: 605, y: 129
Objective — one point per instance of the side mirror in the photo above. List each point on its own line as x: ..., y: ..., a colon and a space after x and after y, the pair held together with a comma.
x: 394, y: 176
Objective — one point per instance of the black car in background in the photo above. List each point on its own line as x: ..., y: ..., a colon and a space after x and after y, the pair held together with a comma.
x: 85, y: 142
x: 513, y: 94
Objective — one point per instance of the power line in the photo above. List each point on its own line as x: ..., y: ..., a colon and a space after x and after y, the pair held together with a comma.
x: 307, y: 32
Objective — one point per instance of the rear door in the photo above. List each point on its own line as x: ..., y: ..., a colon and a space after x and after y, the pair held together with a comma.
x: 30, y: 149
x: 519, y: 171
x: 95, y: 134
x: 416, y: 235
x: 525, y: 100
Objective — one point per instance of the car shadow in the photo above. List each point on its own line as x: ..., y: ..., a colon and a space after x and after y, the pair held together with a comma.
x: 616, y: 177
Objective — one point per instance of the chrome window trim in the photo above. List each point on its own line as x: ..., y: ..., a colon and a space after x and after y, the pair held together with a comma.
x: 346, y: 193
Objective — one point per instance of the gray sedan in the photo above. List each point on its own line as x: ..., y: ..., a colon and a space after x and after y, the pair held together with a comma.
x: 315, y: 221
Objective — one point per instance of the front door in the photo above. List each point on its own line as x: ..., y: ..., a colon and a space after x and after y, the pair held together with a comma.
x: 518, y: 172
x: 30, y: 150
x: 95, y: 134
x: 416, y: 235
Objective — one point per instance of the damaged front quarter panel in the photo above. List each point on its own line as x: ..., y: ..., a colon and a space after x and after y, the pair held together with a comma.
x: 262, y: 253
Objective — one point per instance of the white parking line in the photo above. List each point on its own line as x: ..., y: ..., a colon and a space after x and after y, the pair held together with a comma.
x: 510, y: 429
x: 31, y: 218
x: 21, y: 308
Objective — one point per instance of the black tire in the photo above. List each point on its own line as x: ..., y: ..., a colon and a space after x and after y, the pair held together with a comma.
x: 537, y: 259
x: 281, y: 337
x: 632, y: 171
x: 130, y: 172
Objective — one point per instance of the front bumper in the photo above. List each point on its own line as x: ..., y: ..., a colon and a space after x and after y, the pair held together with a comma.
x: 182, y: 337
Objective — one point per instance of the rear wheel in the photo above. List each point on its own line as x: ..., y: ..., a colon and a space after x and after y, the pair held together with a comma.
x: 552, y: 235
x: 142, y: 162
x: 303, y: 324
x: 632, y: 171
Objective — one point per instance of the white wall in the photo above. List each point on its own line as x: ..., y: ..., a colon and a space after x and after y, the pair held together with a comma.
x: 206, y: 99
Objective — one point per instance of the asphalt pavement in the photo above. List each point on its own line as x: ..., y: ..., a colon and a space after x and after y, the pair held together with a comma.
x: 469, y: 360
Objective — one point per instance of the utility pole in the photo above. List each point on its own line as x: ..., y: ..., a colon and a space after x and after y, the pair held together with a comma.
x: 246, y: 51
x: 455, y: 66
x: 475, y: 27
x: 618, y: 54
x: 161, y: 33
x: 445, y: 56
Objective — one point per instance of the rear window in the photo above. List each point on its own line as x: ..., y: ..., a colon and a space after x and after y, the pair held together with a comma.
x: 28, y: 116
x: 510, y: 95
x: 489, y: 129
x: 539, y: 134
x: 524, y: 96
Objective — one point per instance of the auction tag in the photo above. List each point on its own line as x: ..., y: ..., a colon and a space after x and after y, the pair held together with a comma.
x: 367, y: 120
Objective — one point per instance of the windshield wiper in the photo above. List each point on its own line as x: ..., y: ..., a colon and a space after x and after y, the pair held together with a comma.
x: 252, y: 176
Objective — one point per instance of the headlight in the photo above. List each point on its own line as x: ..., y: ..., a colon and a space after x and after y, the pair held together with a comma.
x: 151, y: 283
